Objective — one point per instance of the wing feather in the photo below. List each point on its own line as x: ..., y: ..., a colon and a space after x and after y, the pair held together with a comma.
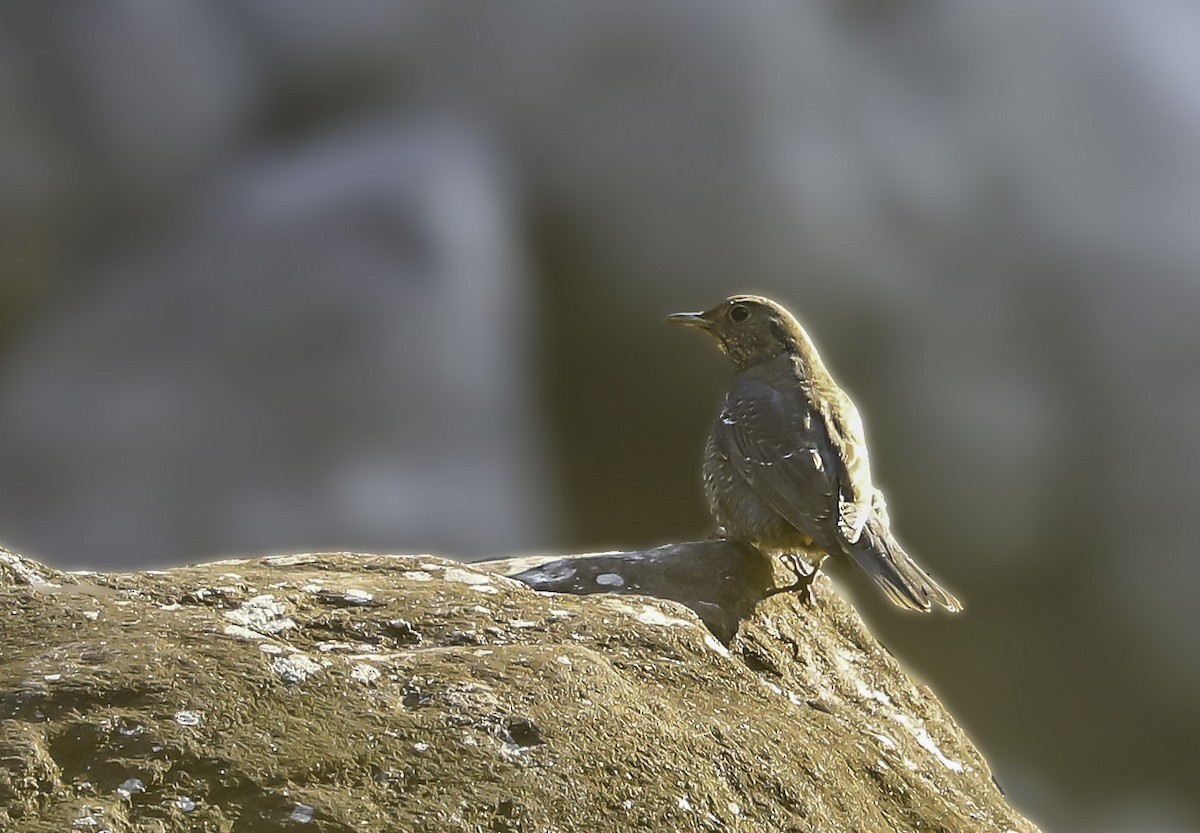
x: 805, y: 455
x: 856, y: 493
x: 778, y: 445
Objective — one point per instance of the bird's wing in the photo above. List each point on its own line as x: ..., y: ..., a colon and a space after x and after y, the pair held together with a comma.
x: 856, y: 493
x: 779, y: 446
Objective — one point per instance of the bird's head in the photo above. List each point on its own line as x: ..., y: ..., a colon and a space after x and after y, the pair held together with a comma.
x: 749, y: 329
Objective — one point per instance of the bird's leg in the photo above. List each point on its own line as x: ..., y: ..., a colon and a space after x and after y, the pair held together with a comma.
x: 793, y: 562
x: 804, y: 579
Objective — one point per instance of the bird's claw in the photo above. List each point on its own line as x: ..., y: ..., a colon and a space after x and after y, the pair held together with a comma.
x: 803, y: 583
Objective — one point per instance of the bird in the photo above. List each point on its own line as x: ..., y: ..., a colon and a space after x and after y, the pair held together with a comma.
x: 786, y: 466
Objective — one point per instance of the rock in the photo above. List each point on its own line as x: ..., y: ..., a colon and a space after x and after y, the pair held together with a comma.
x: 39, y: 192
x: 151, y: 98
x: 313, y: 54
x: 720, y: 581
x: 338, y: 350
x: 368, y: 693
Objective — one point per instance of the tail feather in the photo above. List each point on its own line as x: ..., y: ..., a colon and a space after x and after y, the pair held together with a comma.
x: 880, y: 556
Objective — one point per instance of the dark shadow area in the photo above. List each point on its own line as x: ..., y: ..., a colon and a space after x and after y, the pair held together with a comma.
x: 721, y: 581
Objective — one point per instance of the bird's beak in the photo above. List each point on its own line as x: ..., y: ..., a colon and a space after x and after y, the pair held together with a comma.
x: 688, y: 319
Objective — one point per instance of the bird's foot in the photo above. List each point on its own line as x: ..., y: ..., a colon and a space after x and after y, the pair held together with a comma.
x: 803, y: 583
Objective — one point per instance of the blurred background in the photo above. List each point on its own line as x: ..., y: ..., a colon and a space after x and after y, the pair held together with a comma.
x: 281, y: 275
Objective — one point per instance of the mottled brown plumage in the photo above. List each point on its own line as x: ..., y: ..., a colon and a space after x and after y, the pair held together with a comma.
x: 786, y: 465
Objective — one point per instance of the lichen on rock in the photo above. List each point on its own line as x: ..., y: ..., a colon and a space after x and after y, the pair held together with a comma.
x: 417, y: 693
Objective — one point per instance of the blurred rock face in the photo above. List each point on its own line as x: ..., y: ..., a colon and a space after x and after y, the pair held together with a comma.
x: 238, y: 237
x: 329, y: 348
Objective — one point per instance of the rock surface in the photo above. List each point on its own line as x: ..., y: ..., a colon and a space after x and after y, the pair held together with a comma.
x: 343, y: 692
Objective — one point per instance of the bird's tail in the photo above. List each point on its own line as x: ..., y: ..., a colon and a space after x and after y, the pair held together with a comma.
x: 880, y: 556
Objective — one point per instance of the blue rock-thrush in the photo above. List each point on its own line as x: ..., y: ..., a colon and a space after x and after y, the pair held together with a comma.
x: 786, y: 465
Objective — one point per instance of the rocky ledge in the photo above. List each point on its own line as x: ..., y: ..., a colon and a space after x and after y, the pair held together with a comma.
x: 341, y: 692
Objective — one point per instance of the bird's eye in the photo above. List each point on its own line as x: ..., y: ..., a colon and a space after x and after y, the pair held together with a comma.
x: 738, y: 313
